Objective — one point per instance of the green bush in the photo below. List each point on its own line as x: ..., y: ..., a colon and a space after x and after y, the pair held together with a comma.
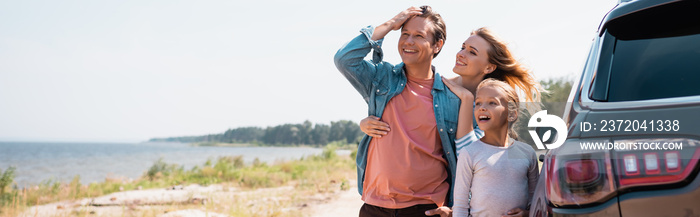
x: 353, y: 154
x: 6, y: 179
x: 329, y: 152
x: 160, y: 169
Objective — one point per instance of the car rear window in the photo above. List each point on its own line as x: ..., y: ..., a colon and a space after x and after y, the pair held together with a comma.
x: 655, y: 55
x: 655, y: 68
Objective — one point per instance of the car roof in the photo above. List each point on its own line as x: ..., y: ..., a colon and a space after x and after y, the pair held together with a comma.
x: 626, y: 7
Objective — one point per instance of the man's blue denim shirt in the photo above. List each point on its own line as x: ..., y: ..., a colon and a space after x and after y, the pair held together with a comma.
x: 378, y: 81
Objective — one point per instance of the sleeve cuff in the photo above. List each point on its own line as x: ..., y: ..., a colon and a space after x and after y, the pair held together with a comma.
x: 378, y: 54
x: 468, y: 139
x: 471, y: 136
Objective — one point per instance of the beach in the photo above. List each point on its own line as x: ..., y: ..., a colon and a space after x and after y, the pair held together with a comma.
x: 213, y: 200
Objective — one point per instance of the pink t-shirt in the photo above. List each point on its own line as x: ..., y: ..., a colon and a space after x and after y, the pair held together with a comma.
x: 406, y: 167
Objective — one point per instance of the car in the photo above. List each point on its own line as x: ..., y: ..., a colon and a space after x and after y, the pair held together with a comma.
x: 633, y: 119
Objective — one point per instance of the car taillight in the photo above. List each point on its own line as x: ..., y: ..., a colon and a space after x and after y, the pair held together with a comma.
x: 580, y: 172
x: 578, y: 175
x: 575, y: 177
x: 656, y: 162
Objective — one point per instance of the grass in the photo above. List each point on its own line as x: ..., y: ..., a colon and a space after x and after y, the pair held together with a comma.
x: 312, y: 175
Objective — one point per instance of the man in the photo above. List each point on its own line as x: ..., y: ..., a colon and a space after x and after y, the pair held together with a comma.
x: 409, y: 171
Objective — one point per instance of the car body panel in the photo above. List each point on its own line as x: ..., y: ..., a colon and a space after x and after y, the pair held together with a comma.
x: 679, y: 199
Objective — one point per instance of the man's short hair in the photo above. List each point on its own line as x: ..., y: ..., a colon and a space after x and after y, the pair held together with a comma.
x: 439, y: 29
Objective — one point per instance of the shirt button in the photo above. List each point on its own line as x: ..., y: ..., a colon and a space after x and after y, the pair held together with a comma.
x: 435, y: 105
x: 401, y: 84
x: 440, y: 130
x: 377, y: 91
x: 450, y: 129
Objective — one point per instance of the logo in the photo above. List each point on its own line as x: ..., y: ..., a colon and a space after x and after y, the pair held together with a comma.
x: 546, y: 122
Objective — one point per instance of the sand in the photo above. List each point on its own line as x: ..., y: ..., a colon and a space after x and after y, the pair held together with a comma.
x: 192, y: 200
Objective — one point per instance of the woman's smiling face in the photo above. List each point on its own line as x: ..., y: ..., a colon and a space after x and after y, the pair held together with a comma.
x: 473, y: 58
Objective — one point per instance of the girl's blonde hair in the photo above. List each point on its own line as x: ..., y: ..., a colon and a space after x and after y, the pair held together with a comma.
x: 507, y: 68
x: 511, y: 98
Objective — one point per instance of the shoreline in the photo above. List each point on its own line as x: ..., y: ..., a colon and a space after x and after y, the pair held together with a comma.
x: 96, y: 163
x: 238, y: 145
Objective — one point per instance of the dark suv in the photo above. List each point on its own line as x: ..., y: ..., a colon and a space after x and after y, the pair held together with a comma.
x: 633, y: 119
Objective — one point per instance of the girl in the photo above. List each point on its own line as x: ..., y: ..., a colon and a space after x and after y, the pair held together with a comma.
x: 498, y: 172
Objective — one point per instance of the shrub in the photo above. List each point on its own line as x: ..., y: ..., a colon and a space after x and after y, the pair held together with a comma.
x: 6, y: 179
x: 329, y: 152
x: 160, y: 169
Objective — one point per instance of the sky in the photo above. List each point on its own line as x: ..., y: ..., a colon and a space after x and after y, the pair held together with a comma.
x: 128, y: 71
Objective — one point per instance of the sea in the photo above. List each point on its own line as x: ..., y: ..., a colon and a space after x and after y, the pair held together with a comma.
x: 43, y: 162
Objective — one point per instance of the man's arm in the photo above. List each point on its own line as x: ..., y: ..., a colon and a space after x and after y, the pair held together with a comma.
x: 350, y: 62
x: 350, y: 58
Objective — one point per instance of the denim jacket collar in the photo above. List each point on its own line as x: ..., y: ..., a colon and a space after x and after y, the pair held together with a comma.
x: 437, y: 82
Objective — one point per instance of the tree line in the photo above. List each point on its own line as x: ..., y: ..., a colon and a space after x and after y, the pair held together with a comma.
x: 348, y: 132
x: 344, y: 131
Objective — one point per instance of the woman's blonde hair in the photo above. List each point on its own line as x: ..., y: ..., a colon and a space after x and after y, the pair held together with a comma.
x: 511, y: 98
x: 507, y: 68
